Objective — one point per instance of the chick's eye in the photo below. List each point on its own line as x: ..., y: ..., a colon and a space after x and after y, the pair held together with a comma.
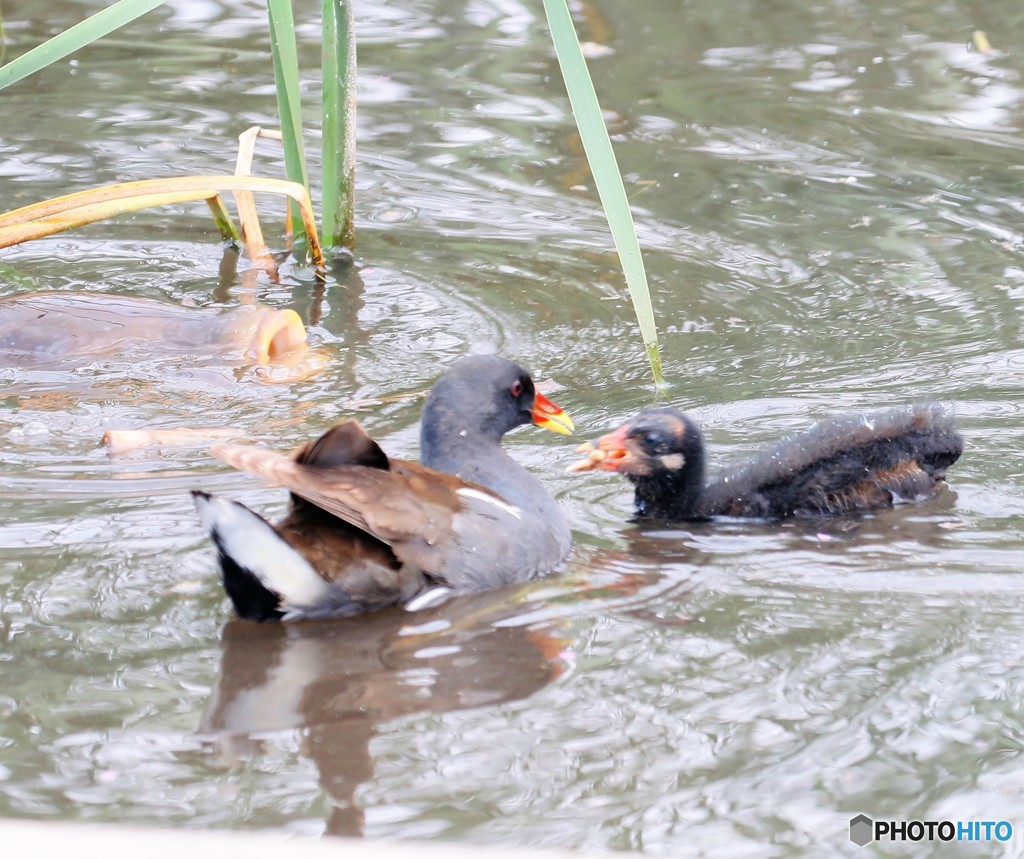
x: 517, y: 389
x: 652, y: 440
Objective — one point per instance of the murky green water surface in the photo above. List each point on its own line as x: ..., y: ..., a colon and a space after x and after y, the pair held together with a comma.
x: 829, y: 196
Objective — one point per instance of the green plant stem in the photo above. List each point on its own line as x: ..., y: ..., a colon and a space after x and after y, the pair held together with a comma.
x: 339, y: 125
x: 605, y: 169
x: 289, y: 106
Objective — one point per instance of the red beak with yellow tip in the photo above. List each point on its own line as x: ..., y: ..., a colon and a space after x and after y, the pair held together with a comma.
x: 551, y: 417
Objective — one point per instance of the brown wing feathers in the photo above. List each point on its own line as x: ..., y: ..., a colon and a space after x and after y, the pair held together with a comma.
x: 382, y: 503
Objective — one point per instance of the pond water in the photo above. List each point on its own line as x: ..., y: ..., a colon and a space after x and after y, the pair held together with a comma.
x: 829, y: 198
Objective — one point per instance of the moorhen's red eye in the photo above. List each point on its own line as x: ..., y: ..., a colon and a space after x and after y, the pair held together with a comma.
x: 517, y: 389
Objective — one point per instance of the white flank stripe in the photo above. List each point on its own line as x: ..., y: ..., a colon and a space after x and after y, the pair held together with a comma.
x: 490, y: 499
x: 435, y: 596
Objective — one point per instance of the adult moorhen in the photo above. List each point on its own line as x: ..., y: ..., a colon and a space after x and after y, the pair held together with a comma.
x: 366, y: 531
x: 855, y: 463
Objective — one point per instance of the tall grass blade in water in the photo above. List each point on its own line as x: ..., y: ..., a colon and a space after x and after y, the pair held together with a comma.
x: 289, y: 108
x: 339, y: 125
x: 3, y: 38
x: 78, y: 36
x: 605, y: 169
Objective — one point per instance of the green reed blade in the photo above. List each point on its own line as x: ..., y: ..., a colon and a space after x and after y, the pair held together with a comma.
x: 81, y: 34
x: 339, y: 125
x: 289, y: 107
x: 3, y: 38
x: 605, y: 168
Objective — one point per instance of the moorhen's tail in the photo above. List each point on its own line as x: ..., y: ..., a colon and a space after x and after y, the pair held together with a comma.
x: 344, y: 444
x: 843, y: 465
x: 264, y: 576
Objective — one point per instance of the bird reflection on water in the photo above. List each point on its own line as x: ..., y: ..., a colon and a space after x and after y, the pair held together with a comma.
x: 337, y: 681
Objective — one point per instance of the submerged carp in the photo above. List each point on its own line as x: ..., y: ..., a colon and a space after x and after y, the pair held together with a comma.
x: 57, y: 328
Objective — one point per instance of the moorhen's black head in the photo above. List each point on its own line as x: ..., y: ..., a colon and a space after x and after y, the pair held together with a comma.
x: 662, y: 452
x: 657, y: 442
x: 481, y: 398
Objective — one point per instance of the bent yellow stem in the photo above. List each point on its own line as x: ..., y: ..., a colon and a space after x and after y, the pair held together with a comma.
x: 85, y: 207
x: 252, y: 234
